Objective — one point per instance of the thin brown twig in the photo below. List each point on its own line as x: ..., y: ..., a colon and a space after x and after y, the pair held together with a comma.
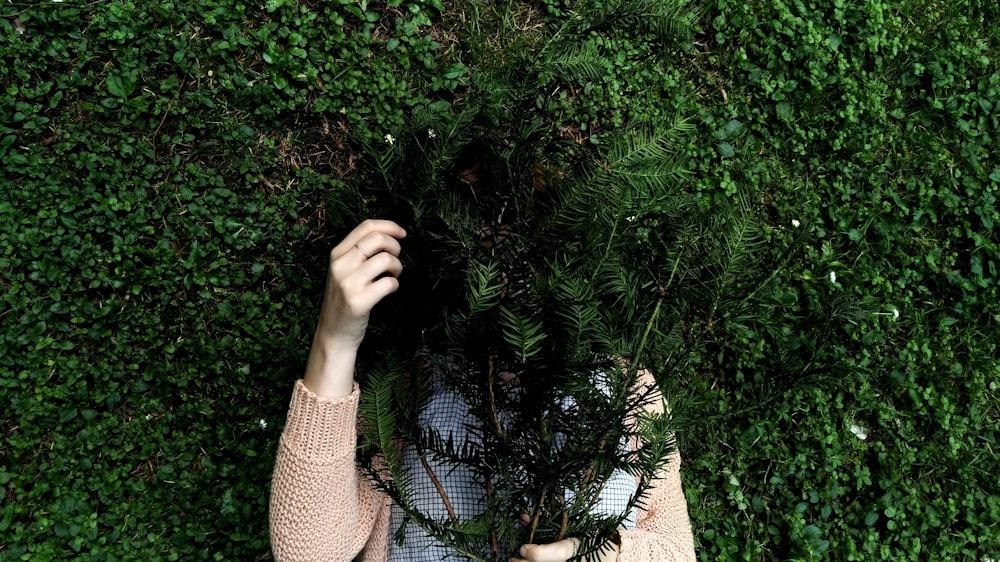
x: 538, y: 513
x: 493, y: 529
x: 493, y: 401
x: 565, y: 517
x: 170, y: 105
x: 440, y: 489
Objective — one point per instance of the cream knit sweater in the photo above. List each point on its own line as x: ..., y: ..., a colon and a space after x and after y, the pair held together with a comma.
x: 321, y: 510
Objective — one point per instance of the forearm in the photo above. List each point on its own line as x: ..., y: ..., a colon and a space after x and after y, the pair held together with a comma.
x: 330, y: 370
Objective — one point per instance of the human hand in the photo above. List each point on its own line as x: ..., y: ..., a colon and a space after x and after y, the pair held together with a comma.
x: 363, y: 270
x: 560, y: 551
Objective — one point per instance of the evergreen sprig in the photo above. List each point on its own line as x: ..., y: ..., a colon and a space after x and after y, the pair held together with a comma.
x: 535, y: 257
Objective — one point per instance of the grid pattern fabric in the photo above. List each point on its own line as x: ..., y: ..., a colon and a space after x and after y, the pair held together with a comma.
x: 446, y: 413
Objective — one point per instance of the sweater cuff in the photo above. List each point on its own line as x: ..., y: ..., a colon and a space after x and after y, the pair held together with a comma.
x: 321, y: 430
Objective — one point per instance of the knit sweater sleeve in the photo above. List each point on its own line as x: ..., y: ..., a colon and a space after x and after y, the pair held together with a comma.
x: 663, y: 529
x: 320, y: 508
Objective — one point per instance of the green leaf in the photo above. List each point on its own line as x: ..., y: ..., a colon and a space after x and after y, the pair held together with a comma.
x: 391, y: 44
x: 726, y: 150
x: 455, y: 71
x: 784, y: 111
x: 120, y: 86
x: 733, y: 128
x: 485, y: 287
x: 524, y: 334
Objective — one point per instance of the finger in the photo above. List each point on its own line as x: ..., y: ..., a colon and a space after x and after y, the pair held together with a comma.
x: 371, y: 282
x: 378, y: 265
x: 367, y: 227
x: 357, y: 273
x: 378, y: 242
x: 378, y: 291
x: 559, y: 551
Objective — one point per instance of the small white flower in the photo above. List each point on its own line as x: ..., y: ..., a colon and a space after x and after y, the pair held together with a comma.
x: 263, y: 423
x: 389, y: 139
x: 895, y: 313
x: 796, y: 223
x: 149, y: 417
x: 431, y: 134
x: 859, y: 431
x: 833, y: 277
x: 631, y: 219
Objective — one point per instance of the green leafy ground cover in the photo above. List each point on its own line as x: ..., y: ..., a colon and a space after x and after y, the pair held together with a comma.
x: 165, y: 181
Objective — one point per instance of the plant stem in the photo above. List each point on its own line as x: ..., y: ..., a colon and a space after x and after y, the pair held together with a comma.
x: 565, y: 518
x: 538, y: 513
x: 493, y: 529
x: 440, y: 490
x: 493, y: 401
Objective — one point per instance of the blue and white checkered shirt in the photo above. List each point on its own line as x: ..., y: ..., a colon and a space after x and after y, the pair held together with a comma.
x: 446, y: 412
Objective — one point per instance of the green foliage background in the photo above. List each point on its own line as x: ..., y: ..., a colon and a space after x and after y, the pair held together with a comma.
x: 165, y: 181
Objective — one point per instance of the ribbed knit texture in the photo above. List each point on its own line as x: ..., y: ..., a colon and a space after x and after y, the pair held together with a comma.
x: 322, y: 511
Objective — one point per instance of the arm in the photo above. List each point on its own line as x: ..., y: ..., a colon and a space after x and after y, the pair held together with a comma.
x: 663, y: 529
x: 320, y: 508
